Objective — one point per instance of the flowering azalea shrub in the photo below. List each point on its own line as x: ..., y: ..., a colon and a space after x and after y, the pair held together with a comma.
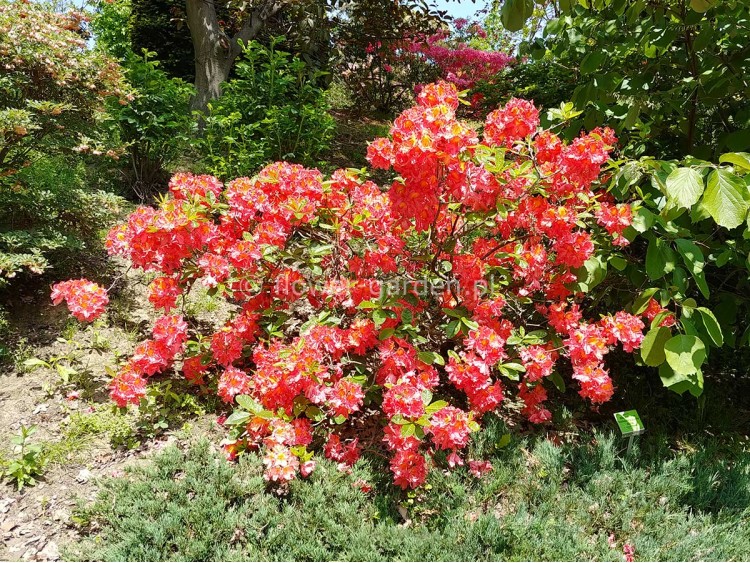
x: 459, y: 62
x: 407, y: 312
x: 371, y: 43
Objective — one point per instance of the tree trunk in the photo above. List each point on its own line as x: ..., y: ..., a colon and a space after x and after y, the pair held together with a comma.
x: 215, y: 52
x: 210, y: 72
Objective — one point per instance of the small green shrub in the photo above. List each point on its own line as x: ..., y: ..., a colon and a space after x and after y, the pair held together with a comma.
x: 546, y: 83
x: 26, y: 462
x: 273, y: 110
x: 155, y: 126
x: 372, y: 44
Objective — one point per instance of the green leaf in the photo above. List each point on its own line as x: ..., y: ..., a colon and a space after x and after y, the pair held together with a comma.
x: 248, y: 403
x: 701, y: 6
x: 514, y: 13
x: 406, y: 316
x: 557, y: 380
x: 643, y: 220
x: 723, y: 258
x: 641, y: 302
x: 618, y: 262
x: 694, y: 260
x: 436, y: 406
x: 408, y: 429
x: 660, y: 258
x: 426, y: 357
x: 741, y: 159
x: 456, y: 313
x: 65, y: 372
x: 451, y: 329
x: 510, y: 374
x: 652, y: 347
x: 386, y: 333
x: 593, y: 272
x: 679, y: 383
x: 684, y: 186
x: 237, y: 418
x: 314, y: 413
x: 35, y: 363
x: 713, y: 328
x: 687, y: 307
x: 430, y: 358
x: 504, y: 441
x: 592, y: 61
x: 379, y: 316
x: 685, y: 354
x: 725, y: 198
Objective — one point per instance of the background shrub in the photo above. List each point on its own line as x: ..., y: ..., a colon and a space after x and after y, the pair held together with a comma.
x: 273, y: 110
x: 52, y: 88
x: 156, y: 126
x: 668, y: 76
x: 53, y: 91
x: 47, y: 212
x: 372, y: 54
x: 545, y: 82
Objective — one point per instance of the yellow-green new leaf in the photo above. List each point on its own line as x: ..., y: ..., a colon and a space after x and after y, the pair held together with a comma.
x: 741, y: 159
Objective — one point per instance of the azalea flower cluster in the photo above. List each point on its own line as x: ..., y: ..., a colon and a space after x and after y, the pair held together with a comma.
x: 85, y: 300
x: 488, y: 234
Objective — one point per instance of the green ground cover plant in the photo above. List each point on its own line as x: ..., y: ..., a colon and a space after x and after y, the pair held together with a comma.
x: 582, y: 500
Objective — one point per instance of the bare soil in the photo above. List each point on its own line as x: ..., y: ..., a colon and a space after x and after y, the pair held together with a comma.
x: 38, y: 521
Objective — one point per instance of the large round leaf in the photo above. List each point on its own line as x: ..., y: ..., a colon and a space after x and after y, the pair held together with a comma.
x: 685, y: 353
x: 514, y: 13
x: 680, y: 383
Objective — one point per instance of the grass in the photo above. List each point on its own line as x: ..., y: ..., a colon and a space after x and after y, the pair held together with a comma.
x: 349, y: 145
x: 582, y: 500
x: 80, y: 431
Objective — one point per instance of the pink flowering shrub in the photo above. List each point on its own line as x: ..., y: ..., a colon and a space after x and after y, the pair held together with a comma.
x: 458, y: 62
x: 407, y: 311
